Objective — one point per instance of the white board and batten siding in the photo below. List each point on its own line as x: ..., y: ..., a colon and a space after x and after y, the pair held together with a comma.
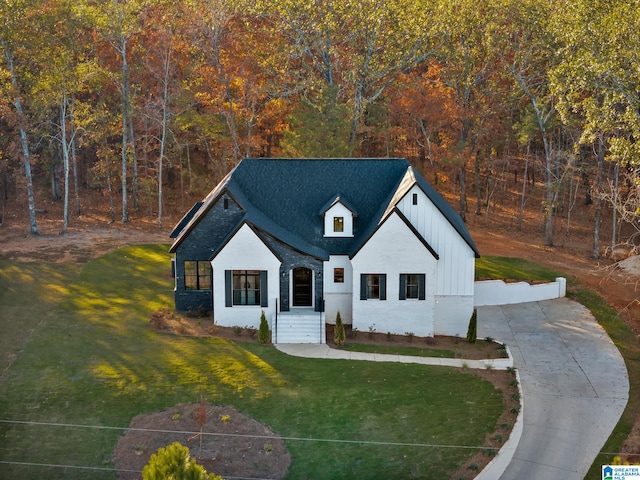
x: 394, y: 250
x: 338, y: 297
x: 244, y: 251
x: 454, y: 286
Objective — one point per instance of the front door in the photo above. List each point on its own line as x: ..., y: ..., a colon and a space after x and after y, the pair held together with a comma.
x: 302, y: 287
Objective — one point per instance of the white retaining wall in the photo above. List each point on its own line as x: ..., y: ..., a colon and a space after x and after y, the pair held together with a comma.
x: 497, y: 292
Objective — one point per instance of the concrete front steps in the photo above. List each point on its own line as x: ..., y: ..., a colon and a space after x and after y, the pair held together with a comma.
x: 304, y: 326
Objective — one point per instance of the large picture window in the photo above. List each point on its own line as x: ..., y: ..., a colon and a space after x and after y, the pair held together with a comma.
x: 373, y: 286
x: 197, y: 275
x: 412, y: 285
x: 246, y: 287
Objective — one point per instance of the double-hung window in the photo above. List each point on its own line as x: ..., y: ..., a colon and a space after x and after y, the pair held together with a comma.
x: 246, y: 287
x: 197, y: 275
x: 373, y: 286
x: 412, y: 285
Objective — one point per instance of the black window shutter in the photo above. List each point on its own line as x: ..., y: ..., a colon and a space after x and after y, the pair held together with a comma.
x: 402, y: 294
x: 363, y: 286
x: 383, y: 286
x: 421, y: 287
x: 264, y: 290
x: 228, y: 288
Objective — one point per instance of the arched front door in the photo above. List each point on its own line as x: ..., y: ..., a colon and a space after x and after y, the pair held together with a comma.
x: 302, y: 287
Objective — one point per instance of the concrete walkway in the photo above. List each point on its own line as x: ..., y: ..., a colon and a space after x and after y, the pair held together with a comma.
x: 574, y: 382
x: 313, y: 350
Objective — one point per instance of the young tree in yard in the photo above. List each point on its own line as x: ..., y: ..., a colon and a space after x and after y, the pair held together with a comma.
x: 472, y: 331
x: 13, y: 38
x: 264, y: 335
x: 174, y: 462
x: 339, y: 334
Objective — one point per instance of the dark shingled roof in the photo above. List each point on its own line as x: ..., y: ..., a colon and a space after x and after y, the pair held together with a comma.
x: 285, y: 198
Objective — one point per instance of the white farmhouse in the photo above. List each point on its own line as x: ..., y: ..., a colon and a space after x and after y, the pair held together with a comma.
x: 304, y: 239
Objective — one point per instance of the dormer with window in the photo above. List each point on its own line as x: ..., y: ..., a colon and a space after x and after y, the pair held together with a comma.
x: 338, y: 218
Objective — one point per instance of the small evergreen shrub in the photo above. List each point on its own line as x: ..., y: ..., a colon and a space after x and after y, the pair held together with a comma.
x: 175, y: 462
x: 264, y: 335
x: 338, y: 331
x: 472, y: 332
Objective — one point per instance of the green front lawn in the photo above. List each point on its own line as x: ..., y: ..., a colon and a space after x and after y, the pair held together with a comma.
x: 93, y: 361
x: 398, y: 350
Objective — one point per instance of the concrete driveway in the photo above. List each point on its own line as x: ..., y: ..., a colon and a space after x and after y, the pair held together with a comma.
x: 574, y: 383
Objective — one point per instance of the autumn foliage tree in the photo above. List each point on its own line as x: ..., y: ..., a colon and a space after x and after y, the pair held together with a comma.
x: 140, y: 100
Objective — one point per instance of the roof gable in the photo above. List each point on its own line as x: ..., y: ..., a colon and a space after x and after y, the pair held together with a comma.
x: 406, y: 221
x: 184, y: 221
x: 338, y: 199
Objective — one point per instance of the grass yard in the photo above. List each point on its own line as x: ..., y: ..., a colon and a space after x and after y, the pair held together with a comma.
x: 83, y: 362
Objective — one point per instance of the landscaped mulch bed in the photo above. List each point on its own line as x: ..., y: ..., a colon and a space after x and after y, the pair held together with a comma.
x: 232, y: 444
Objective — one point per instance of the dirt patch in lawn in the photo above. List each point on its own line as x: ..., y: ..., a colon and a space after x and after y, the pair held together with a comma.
x: 231, y: 444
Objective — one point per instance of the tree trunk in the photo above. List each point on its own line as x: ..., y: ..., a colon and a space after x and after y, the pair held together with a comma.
x: 524, y: 186
x: 463, y: 191
x: 548, y: 224
x: 478, y: 185
x: 616, y: 172
x: 65, y: 160
x: 33, y: 224
x: 125, y: 120
x: 74, y: 162
x: 134, y: 167
x: 165, y: 120
x: 598, y: 219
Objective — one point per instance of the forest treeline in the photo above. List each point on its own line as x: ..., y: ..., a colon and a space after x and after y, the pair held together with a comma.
x: 133, y: 96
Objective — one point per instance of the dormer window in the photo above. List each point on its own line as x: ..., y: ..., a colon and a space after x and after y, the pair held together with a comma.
x: 338, y: 218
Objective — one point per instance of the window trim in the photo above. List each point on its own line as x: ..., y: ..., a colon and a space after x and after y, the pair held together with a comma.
x: 404, y: 286
x: 260, y: 290
x: 366, y: 285
x: 203, y: 275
